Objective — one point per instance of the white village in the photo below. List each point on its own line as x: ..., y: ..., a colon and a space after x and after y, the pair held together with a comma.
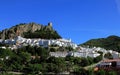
x: 79, y: 51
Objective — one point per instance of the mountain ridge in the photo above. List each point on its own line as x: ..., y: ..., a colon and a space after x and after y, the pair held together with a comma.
x: 109, y: 43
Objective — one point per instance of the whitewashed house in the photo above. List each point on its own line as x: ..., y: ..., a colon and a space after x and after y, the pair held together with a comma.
x: 19, y: 39
x: 58, y: 54
x: 78, y: 54
x: 93, y: 55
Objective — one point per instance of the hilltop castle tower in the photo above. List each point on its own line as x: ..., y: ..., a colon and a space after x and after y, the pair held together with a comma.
x: 50, y: 24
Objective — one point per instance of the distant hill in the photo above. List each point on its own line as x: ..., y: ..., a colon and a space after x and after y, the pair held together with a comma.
x: 109, y: 43
x: 30, y: 30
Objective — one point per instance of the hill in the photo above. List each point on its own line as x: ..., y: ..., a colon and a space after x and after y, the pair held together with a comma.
x: 30, y: 30
x: 109, y: 43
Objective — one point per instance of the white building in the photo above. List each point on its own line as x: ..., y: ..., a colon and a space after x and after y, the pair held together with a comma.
x: 59, y: 54
x: 19, y: 39
x: 84, y: 54
x: 40, y: 42
x: 93, y: 55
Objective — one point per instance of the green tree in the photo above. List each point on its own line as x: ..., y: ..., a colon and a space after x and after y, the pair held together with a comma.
x: 91, y: 61
x: 13, y: 63
x: 84, y: 62
x: 91, y: 72
x: 60, y: 64
x: 108, y: 56
x: 43, y: 53
x: 53, y: 50
x: 77, y: 60
x: 34, y: 68
x: 112, y: 73
x: 25, y: 56
x: 69, y: 48
x: 101, y: 72
x: 44, y: 33
x: 80, y: 71
x: 51, y: 67
x: 97, y: 59
x: 5, y: 52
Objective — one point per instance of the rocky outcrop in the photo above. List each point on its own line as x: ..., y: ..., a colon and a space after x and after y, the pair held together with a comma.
x: 18, y: 30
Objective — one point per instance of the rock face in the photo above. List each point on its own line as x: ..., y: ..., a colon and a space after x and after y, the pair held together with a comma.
x: 18, y: 30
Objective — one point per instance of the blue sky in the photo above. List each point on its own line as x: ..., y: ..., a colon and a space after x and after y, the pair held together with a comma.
x: 79, y: 20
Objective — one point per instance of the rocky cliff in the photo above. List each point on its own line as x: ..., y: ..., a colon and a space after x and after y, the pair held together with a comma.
x: 20, y: 29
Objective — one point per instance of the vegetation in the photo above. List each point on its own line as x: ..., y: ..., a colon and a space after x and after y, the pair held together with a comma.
x: 55, y: 49
x: 82, y: 71
x: 109, y: 43
x: 108, y: 56
x: 43, y: 34
x: 36, y: 60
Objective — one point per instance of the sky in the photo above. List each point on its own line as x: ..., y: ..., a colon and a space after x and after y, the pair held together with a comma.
x: 80, y: 20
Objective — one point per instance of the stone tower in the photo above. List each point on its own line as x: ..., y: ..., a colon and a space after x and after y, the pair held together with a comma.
x: 50, y: 24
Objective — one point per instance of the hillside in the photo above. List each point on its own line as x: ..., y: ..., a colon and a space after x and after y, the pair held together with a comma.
x: 30, y: 30
x: 109, y: 43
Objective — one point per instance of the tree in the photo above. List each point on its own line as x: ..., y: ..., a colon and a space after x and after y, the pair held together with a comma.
x: 108, y: 56
x: 97, y: 59
x: 13, y: 63
x: 53, y: 50
x: 59, y: 63
x: 84, y: 62
x: 91, y: 72
x: 77, y: 60
x: 5, y: 52
x: 90, y: 60
x: 44, y: 33
x: 34, y: 68
x: 51, y: 67
x: 112, y: 73
x: 80, y: 71
x: 25, y: 56
x: 42, y: 53
x: 69, y: 48
x: 101, y: 72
